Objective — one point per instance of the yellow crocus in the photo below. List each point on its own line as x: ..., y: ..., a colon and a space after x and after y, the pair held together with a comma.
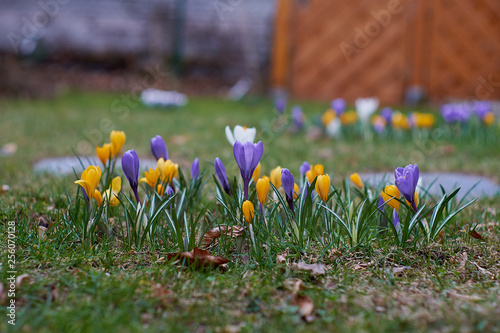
x: 256, y: 173
x: 314, y: 171
x: 348, y: 118
x: 160, y: 189
x: 276, y: 177
x: 323, y: 186
x: 400, y: 121
x: 98, y: 197
x: 389, y: 193
x: 151, y: 177
x: 111, y: 194
x: 89, y: 180
x: 117, y: 139
x: 489, y: 118
x: 104, y: 152
x: 263, y: 185
x: 416, y: 200
x: 296, y: 190
x: 327, y: 117
x: 168, y: 170
x: 356, y: 180
x: 248, y: 211
x: 423, y: 120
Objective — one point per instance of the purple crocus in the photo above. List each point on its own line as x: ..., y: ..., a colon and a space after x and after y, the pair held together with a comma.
x: 288, y: 183
x: 247, y: 156
x: 406, y: 182
x: 280, y: 105
x: 130, y: 166
x: 381, y: 202
x: 220, y: 171
x: 481, y: 108
x: 455, y: 112
x: 386, y: 113
x: 159, y: 148
x: 297, y: 116
x: 339, y: 105
x: 396, y: 224
x: 195, y: 169
x: 169, y: 191
x: 304, y: 168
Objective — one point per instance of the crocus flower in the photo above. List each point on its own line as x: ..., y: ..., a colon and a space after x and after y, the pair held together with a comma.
x: 89, y: 180
x: 489, y: 118
x: 111, y: 194
x: 170, y: 191
x: 195, y: 169
x: 400, y: 121
x: 104, y: 152
x: 130, y: 166
x: 288, y: 185
x: 263, y: 185
x: 406, y: 181
x: 296, y: 191
x: 248, y: 211
x: 455, y: 113
x: 256, y: 173
x: 297, y: 116
x: 388, y: 194
x: 365, y: 107
x: 117, y: 139
x: 151, y: 177
x: 241, y: 133
x: 304, y: 168
x: 315, y: 171
x: 356, y: 180
x: 276, y: 177
x: 280, y: 104
x: 334, y: 127
x: 338, y: 105
x: 168, y: 170
x: 247, y: 156
x: 482, y: 108
x: 422, y: 120
x: 327, y: 117
x: 348, y: 118
x: 220, y: 171
x: 378, y: 123
x: 395, y: 222
x: 159, y: 148
x: 98, y: 198
x: 323, y: 186
x: 386, y: 113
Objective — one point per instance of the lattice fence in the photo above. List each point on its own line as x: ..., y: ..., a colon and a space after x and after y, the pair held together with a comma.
x: 354, y: 48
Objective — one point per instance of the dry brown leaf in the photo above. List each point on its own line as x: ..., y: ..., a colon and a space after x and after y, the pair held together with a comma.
x: 212, y: 234
x: 358, y: 267
x: 476, y: 235
x: 463, y: 261
x: 316, y: 269
x: 163, y: 294
x: 294, y: 285
x: 306, y: 306
x: 396, y: 270
x: 21, y: 278
x: 5, y: 188
x: 198, y: 258
x: 336, y: 253
x: 280, y: 259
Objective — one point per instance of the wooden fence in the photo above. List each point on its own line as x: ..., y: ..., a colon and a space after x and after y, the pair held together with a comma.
x: 354, y: 48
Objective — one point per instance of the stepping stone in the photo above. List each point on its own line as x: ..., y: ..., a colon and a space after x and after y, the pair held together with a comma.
x: 66, y: 165
x: 430, y: 181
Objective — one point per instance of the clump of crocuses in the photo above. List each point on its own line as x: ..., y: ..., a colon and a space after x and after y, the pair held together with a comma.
x: 247, y: 156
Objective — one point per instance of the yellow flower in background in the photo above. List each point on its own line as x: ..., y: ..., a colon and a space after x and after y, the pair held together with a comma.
x: 489, y: 118
x: 117, y: 139
x: 160, y: 189
x: 348, y: 118
x: 400, y: 121
x: 391, y: 192
x: 248, y: 211
x: 104, y: 152
x: 168, y: 170
x: 256, y: 173
x: 323, y: 186
x: 111, y: 193
x: 314, y: 171
x: 151, y: 177
x: 356, y: 180
x: 327, y: 117
x: 98, y: 197
x: 89, y: 180
x: 276, y: 177
x: 296, y: 190
x: 416, y: 200
x: 263, y: 187
x: 423, y: 120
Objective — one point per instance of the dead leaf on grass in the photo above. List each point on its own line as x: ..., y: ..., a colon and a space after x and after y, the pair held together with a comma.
x: 21, y: 278
x: 198, y: 258
x: 463, y: 261
x: 281, y: 259
x: 476, y: 235
x: 294, y: 285
x: 212, y: 234
x: 306, y: 307
x: 397, y: 270
x: 358, y: 267
x: 315, y: 269
x: 164, y: 295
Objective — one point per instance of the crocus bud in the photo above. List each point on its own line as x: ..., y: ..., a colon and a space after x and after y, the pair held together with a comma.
x: 195, y: 169
x: 117, y: 139
x: 276, y: 177
x: 256, y: 173
x: 248, y: 211
x: 220, y: 171
x: 356, y: 180
x: 323, y: 186
x: 389, y: 193
x: 304, y: 168
x: 263, y: 186
x: 130, y: 166
x: 159, y: 148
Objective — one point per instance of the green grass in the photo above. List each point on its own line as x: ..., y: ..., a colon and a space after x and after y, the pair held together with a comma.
x: 103, y: 289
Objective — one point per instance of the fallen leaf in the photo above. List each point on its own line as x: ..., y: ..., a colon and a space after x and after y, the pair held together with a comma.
x: 5, y: 188
x: 463, y: 261
x: 456, y: 295
x: 476, y: 235
x: 212, y: 234
x: 21, y: 278
x: 336, y: 253
x: 163, y: 294
x: 358, y: 267
x: 294, y: 285
x: 306, y: 306
x: 280, y: 259
x: 315, y: 269
x: 483, y: 270
x: 396, y: 270
x: 198, y: 258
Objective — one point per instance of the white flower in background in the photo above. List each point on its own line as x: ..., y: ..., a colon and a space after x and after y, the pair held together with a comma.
x: 333, y: 129
x: 365, y: 107
x: 241, y: 134
x: 156, y: 97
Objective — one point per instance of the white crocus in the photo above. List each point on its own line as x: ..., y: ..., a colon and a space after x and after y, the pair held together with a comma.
x: 365, y: 107
x: 241, y: 134
x: 333, y: 129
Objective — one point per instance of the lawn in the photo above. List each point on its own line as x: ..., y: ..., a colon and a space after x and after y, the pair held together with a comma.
x: 446, y: 285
